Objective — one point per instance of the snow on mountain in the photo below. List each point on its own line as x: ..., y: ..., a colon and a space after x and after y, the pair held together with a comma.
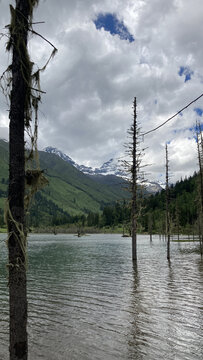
x: 86, y: 169
x: 154, y: 187
x: 110, y: 167
x: 52, y: 150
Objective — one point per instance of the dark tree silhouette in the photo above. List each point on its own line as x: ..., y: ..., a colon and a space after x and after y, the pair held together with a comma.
x: 134, y: 173
x: 22, y: 87
x: 200, y: 162
x: 167, y: 207
x: 16, y: 191
x: 133, y: 167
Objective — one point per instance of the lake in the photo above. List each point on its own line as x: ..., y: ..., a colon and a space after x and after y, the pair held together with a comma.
x: 87, y: 300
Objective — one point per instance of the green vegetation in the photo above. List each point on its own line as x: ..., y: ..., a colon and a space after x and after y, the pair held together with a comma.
x: 70, y: 195
x: 183, y: 209
x: 73, y: 200
x: 116, y: 217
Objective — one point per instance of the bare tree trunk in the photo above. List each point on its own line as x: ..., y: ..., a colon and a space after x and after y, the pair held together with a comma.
x: 16, y: 222
x: 177, y: 221
x: 150, y: 226
x: 200, y: 160
x: 167, y: 208
x: 134, y: 185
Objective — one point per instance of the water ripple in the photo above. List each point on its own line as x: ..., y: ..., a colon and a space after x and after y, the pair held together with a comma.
x: 88, y: 301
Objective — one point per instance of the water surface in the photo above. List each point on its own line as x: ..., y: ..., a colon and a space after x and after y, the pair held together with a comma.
x: 88, y: 301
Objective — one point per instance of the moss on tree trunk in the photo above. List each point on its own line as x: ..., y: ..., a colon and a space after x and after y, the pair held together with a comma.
x: 16, y: 228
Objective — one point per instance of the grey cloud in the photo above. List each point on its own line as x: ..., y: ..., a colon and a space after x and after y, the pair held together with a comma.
x: 91, y: 83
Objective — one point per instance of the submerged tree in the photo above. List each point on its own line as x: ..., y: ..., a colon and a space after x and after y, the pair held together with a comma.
x: 150, y: 226
x: 23, y: 181
x: 16, y: 216
x: 133, y: 167
x: 177, y: 219
x: 167, y: 207
x: 200, y: 162
x: 134, y: 174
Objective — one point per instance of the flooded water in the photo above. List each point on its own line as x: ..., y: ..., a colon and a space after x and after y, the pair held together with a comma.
x: 87, y: 301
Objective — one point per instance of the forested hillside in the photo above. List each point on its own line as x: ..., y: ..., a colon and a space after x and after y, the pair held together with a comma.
x: 184, y: 212
x: 101, y: 201
x: 69, y: 193
x: 184, y: 209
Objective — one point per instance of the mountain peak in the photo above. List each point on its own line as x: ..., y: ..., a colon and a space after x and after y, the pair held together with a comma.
x: 63, y: 156
x: 110, y: 167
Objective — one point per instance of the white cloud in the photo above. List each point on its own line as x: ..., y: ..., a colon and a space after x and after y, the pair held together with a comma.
x: 94, y: 77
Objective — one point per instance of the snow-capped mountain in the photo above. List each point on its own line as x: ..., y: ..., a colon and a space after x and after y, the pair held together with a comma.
x: 154, y: 187
x: 110, y: 167
x: 52, y: 150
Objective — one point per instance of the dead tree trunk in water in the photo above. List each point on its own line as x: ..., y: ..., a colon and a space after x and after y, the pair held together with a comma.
x: 167, y: 208
x: 24, y: 99
x: 200, y: 161
x: 177, y: 221
x: 15, y: 217
x: 134, y: 171
x: 150, y: 226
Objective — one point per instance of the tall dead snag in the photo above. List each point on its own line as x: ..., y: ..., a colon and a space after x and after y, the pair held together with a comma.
x: 133, y: 168
x: 177, y: 216
x: 167, y: 207
x: 16, y: 192
x: 23, y: 182
x: 134, y: 174
x: 150, y: 226
x: 200, y: 162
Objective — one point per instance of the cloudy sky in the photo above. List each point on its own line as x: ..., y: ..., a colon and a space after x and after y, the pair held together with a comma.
x: 108, y: 53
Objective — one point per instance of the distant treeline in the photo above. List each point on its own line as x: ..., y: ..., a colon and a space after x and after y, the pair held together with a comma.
x: 184, y: 211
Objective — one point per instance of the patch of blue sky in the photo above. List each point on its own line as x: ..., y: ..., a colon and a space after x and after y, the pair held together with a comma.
x: 199, y: 127
x: 111, y: 24
x: 193, y: 129
x: 177, y: 131
x: 186, y: 71
x: 199, y: 111
x: 196, y: 128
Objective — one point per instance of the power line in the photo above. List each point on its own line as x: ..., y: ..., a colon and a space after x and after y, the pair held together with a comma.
x: 148, y: 132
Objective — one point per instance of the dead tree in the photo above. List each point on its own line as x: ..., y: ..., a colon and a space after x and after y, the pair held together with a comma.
x: 200, y: 159
x: 200, y: 162
x: 133, y: 167
x: 177, y: 216
x: 167, y: 206
x: 23, y: 182
x: 16, y: 192
x: 134, y: 174
x: 150, y: 226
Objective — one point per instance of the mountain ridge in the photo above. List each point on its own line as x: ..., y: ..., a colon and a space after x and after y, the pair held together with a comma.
x: 109, y: 167
x: 69, y: 193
